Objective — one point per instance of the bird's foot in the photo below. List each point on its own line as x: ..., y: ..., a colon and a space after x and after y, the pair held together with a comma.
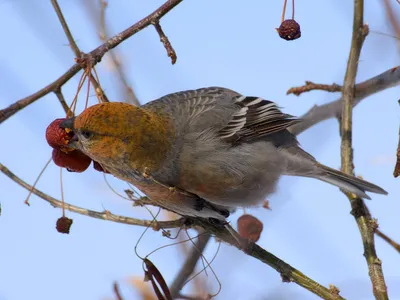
x: 200, y: 204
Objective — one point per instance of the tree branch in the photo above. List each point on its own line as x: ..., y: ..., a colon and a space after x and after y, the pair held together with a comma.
x: 189, y: 265
x: 103, y: 35
x: 288, y: 272
x: 387, y: 239
x: 359, y: 210
x: 165, y: 41
x: 105, y: 215
x: 65, y: 27
x: 62, y: 101
x: 310, y: 86
x: 78, y: 53
x: 316, y: 114
x: 96, y: 56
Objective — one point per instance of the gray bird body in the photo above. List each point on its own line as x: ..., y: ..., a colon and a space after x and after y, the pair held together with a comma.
x: 231, y: 150
x: 223, y: 150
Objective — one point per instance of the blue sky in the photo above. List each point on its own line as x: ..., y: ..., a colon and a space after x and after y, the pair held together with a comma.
x: 224, y: 43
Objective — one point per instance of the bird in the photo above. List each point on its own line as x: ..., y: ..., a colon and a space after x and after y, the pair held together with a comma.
x: 202, y: 152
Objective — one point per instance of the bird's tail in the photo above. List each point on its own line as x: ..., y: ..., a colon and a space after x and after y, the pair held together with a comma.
x: 300, y: 163
x: 347, y: 182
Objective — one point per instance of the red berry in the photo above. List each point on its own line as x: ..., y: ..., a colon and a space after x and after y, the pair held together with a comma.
x: 99, y: 168
x: 289, y: 30
x: 73, y: 161
x: 250, y: 227
x: 58, y: 137
x: 63, y: 224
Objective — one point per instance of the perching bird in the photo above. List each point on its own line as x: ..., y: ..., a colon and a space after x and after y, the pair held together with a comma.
x: 201, y: 152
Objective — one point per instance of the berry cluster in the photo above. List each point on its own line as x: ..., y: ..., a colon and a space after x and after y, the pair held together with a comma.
x: 64, y: 156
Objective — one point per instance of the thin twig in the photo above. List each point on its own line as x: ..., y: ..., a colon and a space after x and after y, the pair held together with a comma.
x: 388, y: 240
x: 310, y: 86
x: 316, y: 114
x: 165, y: 41
x: 189, y: 265
x: 65, y: 27
x: 78, y: 53
x: 396, y: 171
x: 359, y: 210
x: 392, y: 18
x: 105, y: 215
x: 117, y: 291
x: 63, y: 103
x: 96, y: 54
x: 103, y: 35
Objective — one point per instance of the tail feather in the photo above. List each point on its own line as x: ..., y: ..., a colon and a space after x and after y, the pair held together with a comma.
x: 300, y: 163
x: 349, y: 183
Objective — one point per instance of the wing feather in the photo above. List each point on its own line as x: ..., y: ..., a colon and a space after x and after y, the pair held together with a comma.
x: 255, y: 118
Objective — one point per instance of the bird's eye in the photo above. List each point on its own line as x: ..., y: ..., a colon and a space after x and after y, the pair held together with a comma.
x: 86, y: 134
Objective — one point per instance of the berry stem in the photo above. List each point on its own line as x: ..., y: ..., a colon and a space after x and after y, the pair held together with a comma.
x: 36, y: 181
x: 62, y: 194
x: 88, y: 74
x: 284, y: 10
x: 292, y: 9
x: 75, y: 100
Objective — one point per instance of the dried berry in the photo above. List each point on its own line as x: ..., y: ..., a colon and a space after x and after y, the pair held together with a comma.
x: 289, y: 30
x: 266, y: 205
x: 250, y: 227
x: 63, y: 224
x: 73, y: 161
x: 58, y: 137
x: 99, y: 168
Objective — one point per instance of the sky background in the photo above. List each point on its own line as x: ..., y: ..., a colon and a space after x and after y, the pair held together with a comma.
x: 219, y: 43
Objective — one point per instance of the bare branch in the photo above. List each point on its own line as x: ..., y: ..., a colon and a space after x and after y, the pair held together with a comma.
x: 117, y: 291
x: 96, y: 54
x: 65, y: 27
x: 392, y: 17
x: 189, y: 265
x: 76, y: 49
x: 385, y: 80
x: 286, y: 271
x: 388, y: 240
x: 396, y: 171
x: 310, y: 86
x: 165, y: 41
x: 103, y: 35
x: 360, y: 31
x: 63, y: 103
x: 105, y: 215
x: 24, y: 102
x: 359, y: 210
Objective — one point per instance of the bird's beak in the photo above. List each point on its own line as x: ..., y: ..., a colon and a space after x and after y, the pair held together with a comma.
x: 69, y: 124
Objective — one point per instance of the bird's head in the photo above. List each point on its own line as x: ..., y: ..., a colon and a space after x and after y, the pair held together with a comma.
x: 120, y: 135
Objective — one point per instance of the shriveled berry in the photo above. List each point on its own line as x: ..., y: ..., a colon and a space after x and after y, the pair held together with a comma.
x: 73, y: 161
x: 99, y: 168
x: 58, y: 137
x: 63, y: 224
x: 266, y: 205
x: 289, y: 30
x: 250, y: 227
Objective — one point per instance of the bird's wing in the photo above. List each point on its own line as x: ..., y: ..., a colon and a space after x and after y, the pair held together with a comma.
x: 198, y: 109
x: 234, y: 117
x: 255, y: 118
